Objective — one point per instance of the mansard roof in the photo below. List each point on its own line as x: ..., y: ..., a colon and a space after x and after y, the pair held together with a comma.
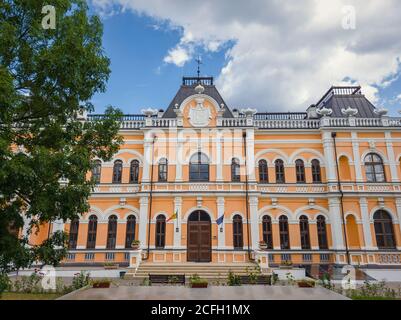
x: 188, y: 89
x: 338, y: 98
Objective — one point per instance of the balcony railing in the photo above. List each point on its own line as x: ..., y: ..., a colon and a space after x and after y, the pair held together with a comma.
x: 259, y: 120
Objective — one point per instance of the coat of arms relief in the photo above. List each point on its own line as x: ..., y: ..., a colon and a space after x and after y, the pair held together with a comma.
x: 199, y: 115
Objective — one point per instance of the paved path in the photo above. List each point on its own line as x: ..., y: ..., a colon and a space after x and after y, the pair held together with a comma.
x: 255, y: 292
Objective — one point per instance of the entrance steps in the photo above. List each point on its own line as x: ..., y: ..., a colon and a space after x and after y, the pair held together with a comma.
x: 213, y: 272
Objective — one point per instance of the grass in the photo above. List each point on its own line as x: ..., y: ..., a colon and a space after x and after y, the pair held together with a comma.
x: 29, y: 296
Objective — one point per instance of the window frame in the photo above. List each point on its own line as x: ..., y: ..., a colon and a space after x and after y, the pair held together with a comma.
x: 97, y: 171
x: 238, y: 232
x: 263, y: 171
x: 280, y: 171
x: 202, y: 168
x: 92, y: 232
x: 111, y: 232
x: 160, y: 232
x: 134, y: 171
x: 73, y: 234
x: 117, y: 171
x: 284, y: 233
x: 130, y: 231
x: 163, y: 170
x: 235, y: 170
x: 371, y: 165
x: 267, y: 231
x: 387, y: 235
x: 304, y: 232
x: 322, y: 232
x: 300, y: 171
x: 316, y: 171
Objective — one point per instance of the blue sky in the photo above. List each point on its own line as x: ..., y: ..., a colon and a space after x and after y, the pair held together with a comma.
x: 139, y: 77
x: 268, y: 56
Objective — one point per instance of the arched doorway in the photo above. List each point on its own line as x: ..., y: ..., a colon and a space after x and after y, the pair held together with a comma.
x: 199, y: 244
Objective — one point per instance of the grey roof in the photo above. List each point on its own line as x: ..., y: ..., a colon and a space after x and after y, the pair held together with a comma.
x: 188, y: 90
x: 357, y: 101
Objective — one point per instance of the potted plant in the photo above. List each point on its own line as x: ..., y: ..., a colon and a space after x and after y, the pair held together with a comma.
x: 262, y: 245
x: 286, y: 264
x: 135, y: 244
x: 197, y: 282
x: 111, y: 265
x: 305, y: 283
x: 102, y: 283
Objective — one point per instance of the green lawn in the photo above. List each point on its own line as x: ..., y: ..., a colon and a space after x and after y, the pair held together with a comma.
x: 29, y: 296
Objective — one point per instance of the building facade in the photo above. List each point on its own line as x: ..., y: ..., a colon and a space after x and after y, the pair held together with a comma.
x: 201, y: 181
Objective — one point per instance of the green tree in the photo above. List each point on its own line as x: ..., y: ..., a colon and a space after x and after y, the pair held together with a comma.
x: 47, y: 78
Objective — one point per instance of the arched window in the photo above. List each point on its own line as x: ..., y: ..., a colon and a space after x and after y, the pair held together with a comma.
x: 235, y: 170
x: 322, y: 232
x: 160, y: 232
x: 304, y: 228
x: 134, y: 171
x: 73, y: 236
x: 284, y: 235
x: 263, y: 173
x: 267, y: 231
x: 384, y: 230
x: 112, y: 232
x: 374, y: 168
x: 92, y: 228
x: 117, y: 171
x: 300, y: 171
x: 279, y: 165
x: 163, y: 164
x: 96, y: 171
x: 316, y: 174
x: 130, y: 231
x: 199, y: 167
x: 238, y: 241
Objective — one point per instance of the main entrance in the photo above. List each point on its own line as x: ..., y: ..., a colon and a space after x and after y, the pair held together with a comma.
x: 199, y: 244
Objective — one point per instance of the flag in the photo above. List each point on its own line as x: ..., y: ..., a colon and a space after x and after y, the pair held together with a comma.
x: 174, y: 216
x: 220, y: 219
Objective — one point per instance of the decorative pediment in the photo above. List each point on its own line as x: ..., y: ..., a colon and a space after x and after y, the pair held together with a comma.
x: 199, y: 115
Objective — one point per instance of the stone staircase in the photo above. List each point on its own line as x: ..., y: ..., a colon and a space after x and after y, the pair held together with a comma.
x: 213, y: 272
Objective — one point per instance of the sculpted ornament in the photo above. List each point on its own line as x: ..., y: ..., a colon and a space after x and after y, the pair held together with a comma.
x: 199, y: 115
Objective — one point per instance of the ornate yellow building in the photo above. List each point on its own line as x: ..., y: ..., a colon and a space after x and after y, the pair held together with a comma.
x: 202, y: 181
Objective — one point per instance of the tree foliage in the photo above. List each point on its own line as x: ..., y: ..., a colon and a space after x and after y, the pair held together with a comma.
x: 47, y: 78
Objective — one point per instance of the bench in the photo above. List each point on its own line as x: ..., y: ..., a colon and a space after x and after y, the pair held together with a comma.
x: 260, y: 279
x: 167, y: 278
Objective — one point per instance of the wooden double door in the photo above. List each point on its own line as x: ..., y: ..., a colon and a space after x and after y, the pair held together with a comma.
x: 199, y: 244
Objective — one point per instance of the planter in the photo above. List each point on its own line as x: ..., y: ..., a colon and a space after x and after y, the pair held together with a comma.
x: 304, y: 284
x: 101, y: 285
x: 262, y: 247
x: 285, y: 267
x: 199, y: 285
x: 135, y: 246
x: 111, y: 267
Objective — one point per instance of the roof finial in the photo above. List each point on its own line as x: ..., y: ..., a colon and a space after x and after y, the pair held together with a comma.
x: 199, y: 62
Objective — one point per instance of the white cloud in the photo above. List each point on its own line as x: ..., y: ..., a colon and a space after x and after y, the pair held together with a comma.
x: 284, y: 54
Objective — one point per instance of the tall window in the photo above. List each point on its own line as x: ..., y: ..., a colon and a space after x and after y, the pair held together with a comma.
x: 384, y: 230
x: 117, y: 171
x: 279, y: 165
x: 316, y: 175
x: 199, y: 167
x: 134, y: 171
x: 73, y: 236
x: 96, y: 171
x: 300, y: 171
x: 238, y: 240
x: 304, y: 228
x: 160, y: 232
x: 267, y: 231
x: 112, y: 232
x: 263, y: 175
x: 374, y: 168
x: 130, y: 231
x: 284, y: 235
x: 92, y: 228
x: 235, y: 170
x: 163, y: 164
x: 322, y: 232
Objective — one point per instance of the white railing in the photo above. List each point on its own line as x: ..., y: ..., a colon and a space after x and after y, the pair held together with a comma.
x: 270, y: 123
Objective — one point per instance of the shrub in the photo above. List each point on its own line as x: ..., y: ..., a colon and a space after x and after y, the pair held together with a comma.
x: 233, y: 280
x: 372, y: 291
x: 195, y: 279
x: 5, y: 283
x: 80, y: 280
